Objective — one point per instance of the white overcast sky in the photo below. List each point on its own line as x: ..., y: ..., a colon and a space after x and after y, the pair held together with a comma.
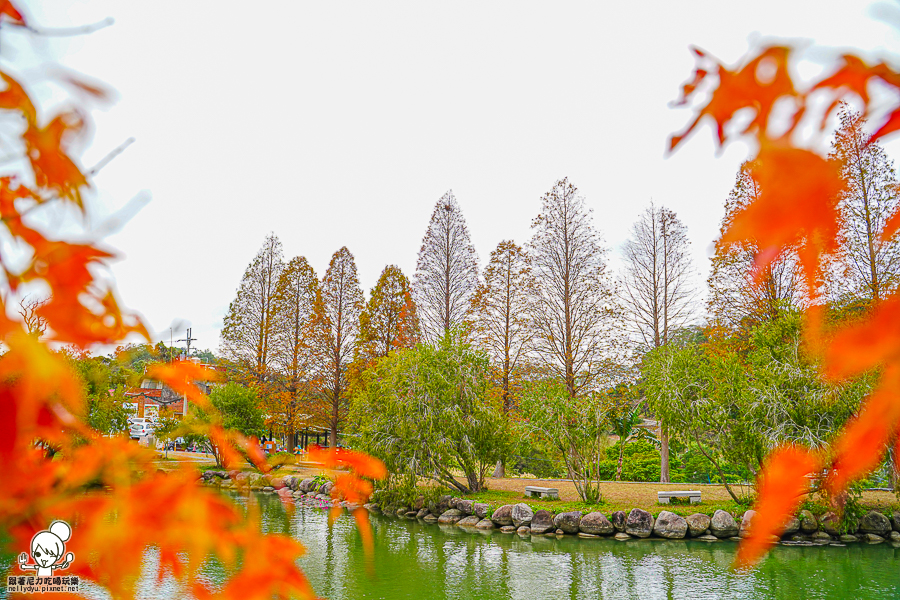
x: 336, y: 123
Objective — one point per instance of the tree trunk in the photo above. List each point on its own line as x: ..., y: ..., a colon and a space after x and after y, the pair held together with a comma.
x: 621, y: 459
x: 499, y: 470
x: 472, y: 480
x: 664, y: 453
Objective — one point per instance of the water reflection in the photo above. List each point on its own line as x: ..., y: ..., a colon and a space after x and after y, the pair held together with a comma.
x: 423, y: 562
x: 414, y: 560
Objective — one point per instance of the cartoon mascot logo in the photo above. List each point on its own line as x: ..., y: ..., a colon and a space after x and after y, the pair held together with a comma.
x: 47, y: 549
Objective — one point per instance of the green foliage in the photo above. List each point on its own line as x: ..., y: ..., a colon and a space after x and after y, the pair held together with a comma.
x: 107, y: 414
x: 426, y: 412
x: 733, y: 406
x: 239, y: 408
x: 576, y: 427
x: 535, y: 456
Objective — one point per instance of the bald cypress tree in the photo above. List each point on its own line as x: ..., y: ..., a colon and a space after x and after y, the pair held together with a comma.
x: 249, y: 325
x: 339, y: 307
x: 446, y: 272
x: 576, y: 333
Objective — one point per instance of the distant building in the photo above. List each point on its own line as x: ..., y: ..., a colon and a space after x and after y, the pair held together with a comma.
x: 153, y: 396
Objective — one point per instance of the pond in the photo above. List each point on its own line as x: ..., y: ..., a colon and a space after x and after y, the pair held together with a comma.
x: 422, y: 562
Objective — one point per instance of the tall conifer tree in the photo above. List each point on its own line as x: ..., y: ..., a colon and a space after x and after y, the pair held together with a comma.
x: 249, y: 324
x: 339, y: 307
x: 446, y: 272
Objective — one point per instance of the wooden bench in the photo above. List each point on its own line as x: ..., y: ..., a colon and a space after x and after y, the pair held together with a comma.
x: 663, y: 497
x: 533, y: 490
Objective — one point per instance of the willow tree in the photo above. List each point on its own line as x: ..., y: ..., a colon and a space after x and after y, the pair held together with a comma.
x: 575, y: 301
x: 339, y: 307
x: 295, y: 353
x: 249, y: 324
x: 658, y: 288
x: 427, y: 413
x: 446, y: 271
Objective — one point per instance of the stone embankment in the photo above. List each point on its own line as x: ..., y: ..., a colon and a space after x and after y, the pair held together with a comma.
x: 803, y: 529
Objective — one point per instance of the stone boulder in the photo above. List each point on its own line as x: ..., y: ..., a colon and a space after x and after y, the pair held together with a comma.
x: 422, y: 512
x: 568, y: 521
x: 508, y: 529
x: 697, y: 524
x: 465, y: 506
x: 745, y: 523
x: 503, y: 515
x: 871, y: 538
x: 830, y: 523
x: 671, y: 526
x: 808, y: 523
x: 451, y: 516
x: 596, y: 523
x: 639, y: 523
x: 485, y: 524
x: 792, y: 526
x: 470, y: 521
x: 521, y: 515
x: 621, y: 536
x: 542, y: 522
x: 722, y: 525
x: 875, y: 522
x: 895, y: 520
x: 618, y: 520
x: 430, y: 518
x: 439, y: 506
x: 524, y: 530
x: 480, y: 509
x: 306, y: 485
x: 326, y: 488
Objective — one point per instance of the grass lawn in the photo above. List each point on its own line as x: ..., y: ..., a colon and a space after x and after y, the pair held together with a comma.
x: 627, y: 495
x: 616, y: 495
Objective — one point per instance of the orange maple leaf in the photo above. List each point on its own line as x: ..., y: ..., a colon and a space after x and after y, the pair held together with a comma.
x: 757, y: 85
x: 181, y: 376
x: 12, y: 13
x: 14, y: 97
x: 865, y: 346
x: 53, y: 168
x: 862, y: 443
x: 782, y: 483
x: 797, y: 208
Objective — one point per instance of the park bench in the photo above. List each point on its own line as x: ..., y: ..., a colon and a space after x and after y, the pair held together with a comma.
x: 664, y: 497
x: 532, y: 490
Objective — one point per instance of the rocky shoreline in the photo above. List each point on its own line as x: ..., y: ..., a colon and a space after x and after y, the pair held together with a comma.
x: 803, y: 529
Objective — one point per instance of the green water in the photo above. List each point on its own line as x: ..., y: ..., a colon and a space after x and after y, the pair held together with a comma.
x: 422, y: 562
x: 418, y: 561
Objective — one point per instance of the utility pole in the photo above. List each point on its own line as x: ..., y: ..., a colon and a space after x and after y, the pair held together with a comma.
x: 188, y: 339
